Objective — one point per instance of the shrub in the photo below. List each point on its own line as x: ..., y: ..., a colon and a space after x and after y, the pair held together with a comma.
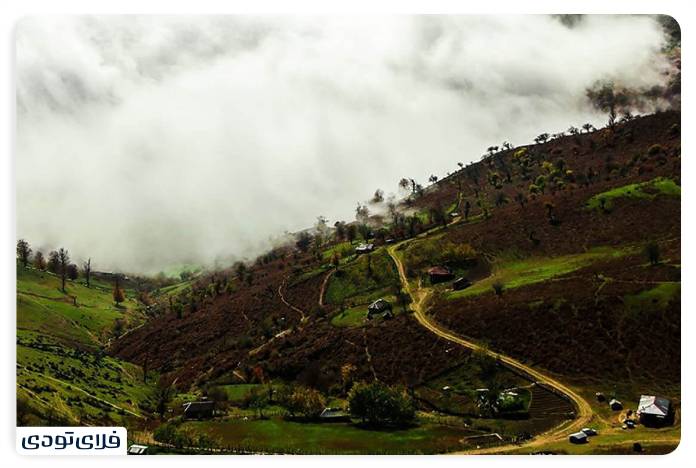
x: 498, y: 288
x: 652, y: 251
x: 654, y: 150
x: 304, y: 401
x: 379, y: 405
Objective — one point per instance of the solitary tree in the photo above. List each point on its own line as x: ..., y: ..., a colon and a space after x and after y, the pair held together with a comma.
x: 336, y: 260
x: 378, y: 197
x: 542, y: 138
x: 378, y: 404
x: 88, y: 271
x: 63, y: 262
x: 53, y: 264
x: 652, y: 251
x: 588, y: 127
x: 119, y: 296
x: 340, y: 230
x: 72, y: 271
x: 39, y: 261
x: 23, y: 252
x: 163, y: 395
x: 351, y: 232
x: 304, y: 240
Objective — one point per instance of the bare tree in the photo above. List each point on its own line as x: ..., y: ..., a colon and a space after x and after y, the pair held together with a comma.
x: 88, y: 270
x: 63, y: 263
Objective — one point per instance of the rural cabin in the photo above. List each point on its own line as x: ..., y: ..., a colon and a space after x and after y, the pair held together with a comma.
x: 379, y: 307
x: 654, y: 410
x: 439, y: 274
x: 615, y: 404
x: 364, y: 248
x: 199, y: 409
x: 461, y: 283
x: 579, y: 438
x: 137, y: 449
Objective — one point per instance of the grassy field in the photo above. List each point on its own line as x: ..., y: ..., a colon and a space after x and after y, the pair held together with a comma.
x: 516, y: 273
x: 647, y: 190
x: 654, y: 298
x: 355, y: 284
x: 278, y: 435
x: 62, y: 371
x: 618, y: 442
x: 357, y: 316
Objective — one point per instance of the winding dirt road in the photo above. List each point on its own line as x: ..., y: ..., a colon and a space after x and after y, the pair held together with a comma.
x: 584, y: 414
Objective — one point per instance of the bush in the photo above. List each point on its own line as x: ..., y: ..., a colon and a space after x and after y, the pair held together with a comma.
x: 167, y: 433
x: 654, y: 150
x: 380, y: 405
x: 652, y: 251
x: 498, y: 288
x: 434, y: 252
x: 303, y: 401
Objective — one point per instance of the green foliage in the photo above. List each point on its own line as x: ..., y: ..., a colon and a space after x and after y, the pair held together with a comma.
x: 278, y: 435
x: 361, y: 278
x: 379, y: 405
x: 437, y: 251
x: 517, y: 273
x: 303, y: 401
x: 645, y: 190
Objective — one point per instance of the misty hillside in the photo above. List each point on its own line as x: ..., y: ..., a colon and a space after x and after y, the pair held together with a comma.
x: 553, y: 238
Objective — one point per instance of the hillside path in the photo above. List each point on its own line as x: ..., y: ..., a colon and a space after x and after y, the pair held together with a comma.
x: 584, y: 415
x: 324, y: 284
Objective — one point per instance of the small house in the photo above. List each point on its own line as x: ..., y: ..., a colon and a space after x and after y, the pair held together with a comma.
x: 600, y: 397
x: 137, y: 449
x: 461, y: 283
x: 199, y: 409
x: 364, y: 248
x: 439, y: 274
x: 380, y: 307
x: 615, y: 404
x: 654, y: 410
x: 334, y: 415
x: 578, y: 438
x: 590, y: 431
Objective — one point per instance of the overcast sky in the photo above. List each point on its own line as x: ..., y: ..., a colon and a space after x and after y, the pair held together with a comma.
x: 147, y: 142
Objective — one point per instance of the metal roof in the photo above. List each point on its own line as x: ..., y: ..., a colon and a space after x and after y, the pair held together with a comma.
x: 654, y: 405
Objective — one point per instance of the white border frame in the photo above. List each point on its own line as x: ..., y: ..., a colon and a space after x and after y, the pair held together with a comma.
x: 11, y: 12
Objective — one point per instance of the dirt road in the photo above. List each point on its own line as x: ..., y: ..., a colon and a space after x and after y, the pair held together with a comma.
x: 419, y: 297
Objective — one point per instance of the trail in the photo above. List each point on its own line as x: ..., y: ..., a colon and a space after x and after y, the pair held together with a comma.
x: 322, y: 291
x: 584, y: 414
x: 303, y: 317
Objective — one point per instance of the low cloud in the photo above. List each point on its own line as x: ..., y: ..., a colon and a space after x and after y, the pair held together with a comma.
x: 146, y: 142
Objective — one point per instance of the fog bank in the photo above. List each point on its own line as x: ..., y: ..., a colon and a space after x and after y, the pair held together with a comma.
x: 146, y: 142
